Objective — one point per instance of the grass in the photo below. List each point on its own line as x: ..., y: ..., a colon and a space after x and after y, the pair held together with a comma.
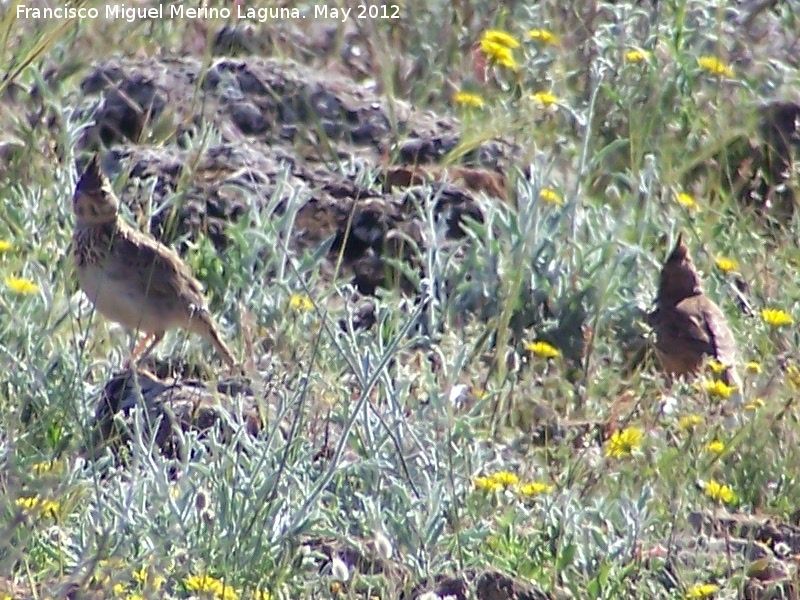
x: 410, y: 445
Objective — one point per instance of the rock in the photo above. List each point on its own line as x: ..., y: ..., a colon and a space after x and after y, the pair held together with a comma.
x: 168, y: 405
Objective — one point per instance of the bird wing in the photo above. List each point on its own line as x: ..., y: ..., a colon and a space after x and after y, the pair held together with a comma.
x: 705, y: 324
x: 160, y: 271
x: 681, y: 328
x: 720, y: 334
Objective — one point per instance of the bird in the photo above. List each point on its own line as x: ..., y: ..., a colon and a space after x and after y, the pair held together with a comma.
x: 130, y: 277
x: 689, y: 326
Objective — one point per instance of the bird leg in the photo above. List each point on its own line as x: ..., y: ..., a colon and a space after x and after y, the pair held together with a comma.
x: 143, y: 344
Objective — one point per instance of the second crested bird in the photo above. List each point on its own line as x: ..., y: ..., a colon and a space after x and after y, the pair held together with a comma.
x: 131, y: 277
x: 689, y: 325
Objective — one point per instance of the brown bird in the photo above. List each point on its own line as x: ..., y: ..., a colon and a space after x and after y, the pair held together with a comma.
x: 130, y: 277
x: 688, y: 324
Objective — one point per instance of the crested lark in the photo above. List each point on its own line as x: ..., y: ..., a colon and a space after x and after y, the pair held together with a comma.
x: 129, y: 276
x: 687, y: 323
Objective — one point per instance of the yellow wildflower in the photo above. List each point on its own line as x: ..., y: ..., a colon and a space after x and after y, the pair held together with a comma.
x: 755, y: 404
x: 210, y: 585
x: 719, y: 389
x: 487, y: 484
x: 545, y: 98
x: 142, y: 577
x: 551, y: 197
x: 775, y: 317
x: 543, y: 349
x: 726, y: 265
x: 535, y: 488
x: 496, y: 36
x: 714, y: 66
x: 716, y: 366
x: 5, y: 246
x: 20, y: 285
x: 139, y: 576
x: 636, y: 56
x: 690, y: 422
x: 300, y: 302
x: 40, y: 505
x: 468, y: 99
x: 719, y: 492
x: 262, y: 595
x: 624, y: 443
x: 40, y: 468
x: 505, y: 478
x: 118, y: 589
x: 715, y: 447
x: 479, y: 393
x: 753, y: 366
x: 545, y: 36
x: 686, y: 200
x: 497, y: 53
x: 702, y: 590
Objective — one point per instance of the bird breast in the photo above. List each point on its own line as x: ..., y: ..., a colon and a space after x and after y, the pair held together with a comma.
x: 119, y: 301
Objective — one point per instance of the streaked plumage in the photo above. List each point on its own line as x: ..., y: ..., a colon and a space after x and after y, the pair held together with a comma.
x: 130, y: 277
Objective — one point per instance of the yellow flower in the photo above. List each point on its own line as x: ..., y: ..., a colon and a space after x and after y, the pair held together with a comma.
x: 545, y: 36
x: 545, y: 98
x: 505, y: 478
x: 636, y: 56
x: 118, y: 589
x: 487, y: 484
x: 719, y: 492
x: 139, y: 576
x: 726, y: 265
x: 755, y: 404
x: 624, y: 443
x: 468, y: 99
x: 551, y: 197
x: 716, y: 366
x: 496, y: 481
x: 690, y: 422
x: 40, y: 505
x: 210, y: 585
x: 715, y: 447
x: 19, y: 285
x: 535, y: 488
x: 753, y: 366
x: 300, y: 302
x: 142, y: 577
x: 702, y: 590
x: 262, y: 595
x: 5, y: 246
x: 686, y: 200
x: 543, y: 349
x: 479, y: 393
x: 776, y: 317
x: 40, y: 468
x: 714, y: 66
x: 719, y: 389
x: 498, y: 53
x: 496, y: 36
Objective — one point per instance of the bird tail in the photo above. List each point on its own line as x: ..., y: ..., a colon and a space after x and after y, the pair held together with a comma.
x: 203, y: 324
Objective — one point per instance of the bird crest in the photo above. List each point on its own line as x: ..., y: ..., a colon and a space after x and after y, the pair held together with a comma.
x: 94, y: 201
